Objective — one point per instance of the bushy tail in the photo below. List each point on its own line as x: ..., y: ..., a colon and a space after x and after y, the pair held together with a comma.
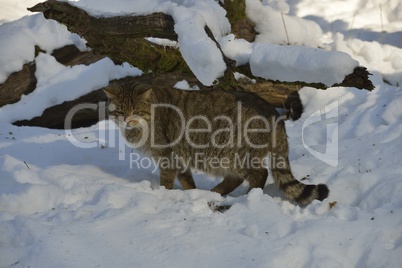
x: 283, y: 177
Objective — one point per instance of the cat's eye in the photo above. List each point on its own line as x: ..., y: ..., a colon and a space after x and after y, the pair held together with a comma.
x: 139, y: 113
x: 117, y: 113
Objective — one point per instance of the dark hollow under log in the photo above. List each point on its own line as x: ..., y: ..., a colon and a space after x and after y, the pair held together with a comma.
x: 70, y: 55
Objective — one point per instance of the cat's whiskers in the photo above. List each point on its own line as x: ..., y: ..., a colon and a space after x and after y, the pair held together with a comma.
x: 127, y: 126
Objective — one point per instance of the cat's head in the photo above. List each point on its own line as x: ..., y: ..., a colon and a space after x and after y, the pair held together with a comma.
x: 130, y: 104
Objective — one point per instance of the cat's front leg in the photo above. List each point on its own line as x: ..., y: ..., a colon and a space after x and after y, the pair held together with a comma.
x: 256, y: 177
x: 167, y: 177
x: 186, y: 179
x: 229, y: 184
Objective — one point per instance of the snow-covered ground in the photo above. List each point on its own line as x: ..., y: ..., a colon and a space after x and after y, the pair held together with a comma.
x: 101, y: 206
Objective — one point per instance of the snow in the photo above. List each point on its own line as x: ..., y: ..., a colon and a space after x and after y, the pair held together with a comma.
x: 28, y: 32
x: 289, y: 63
x: 236, y: 49
x: 163, y: 42
x: 268, y: 21
x: 63, y: 205
x: 279, y: 5
x: 185, y: 85
x: 298, y: 63
x: 200, y: 52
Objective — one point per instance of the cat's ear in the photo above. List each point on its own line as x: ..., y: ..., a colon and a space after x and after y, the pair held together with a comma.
x: 145, y: 96
x: 109, y: 92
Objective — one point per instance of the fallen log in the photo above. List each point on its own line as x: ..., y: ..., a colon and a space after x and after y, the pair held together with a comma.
x: 122, y: 40
x: 54, y: 117
x: 24, y: 81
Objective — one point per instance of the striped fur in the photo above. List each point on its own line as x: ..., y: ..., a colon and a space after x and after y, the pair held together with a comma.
x: 134, y: 102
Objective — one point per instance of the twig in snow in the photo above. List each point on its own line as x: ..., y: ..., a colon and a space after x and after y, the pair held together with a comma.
x: 284, y: 25
x: 27, y: 165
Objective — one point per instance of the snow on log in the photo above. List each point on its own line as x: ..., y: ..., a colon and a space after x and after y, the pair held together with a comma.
x: 299, y: 63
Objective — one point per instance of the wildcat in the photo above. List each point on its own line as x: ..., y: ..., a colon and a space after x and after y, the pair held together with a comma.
x: 220, y: 132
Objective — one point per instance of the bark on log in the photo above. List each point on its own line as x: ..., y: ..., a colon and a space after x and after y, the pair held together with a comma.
x: 121, y: 38
x: 18, y: 84
x: 77, y: 20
